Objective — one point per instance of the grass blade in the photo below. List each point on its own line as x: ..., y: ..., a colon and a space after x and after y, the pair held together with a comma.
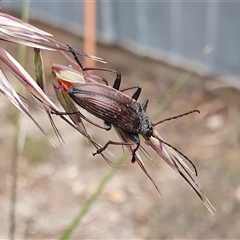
x: 89, y: 202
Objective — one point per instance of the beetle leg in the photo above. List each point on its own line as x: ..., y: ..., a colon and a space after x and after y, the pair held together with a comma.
x: 83, y: 68
x: 75, y: 56
x: 83, y: 117
x: 117, y: 81
x: 110, y: 143
x: 144, y: 105
x: 135, y: 138
x: 134, y: 153
x: 137, y: 93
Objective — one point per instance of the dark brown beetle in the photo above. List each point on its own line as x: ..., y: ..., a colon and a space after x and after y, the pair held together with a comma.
x: 118, y: 109
x: 113, y: 106
x: 129, y: 116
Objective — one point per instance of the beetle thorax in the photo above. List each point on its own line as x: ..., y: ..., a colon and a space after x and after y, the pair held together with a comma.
x: 146, y: 127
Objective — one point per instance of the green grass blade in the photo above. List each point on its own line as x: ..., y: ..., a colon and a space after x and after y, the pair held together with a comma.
x: 89, y: 202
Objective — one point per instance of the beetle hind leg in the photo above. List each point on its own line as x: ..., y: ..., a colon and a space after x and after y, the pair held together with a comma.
x: 100, y: 150
x: 144, y: 105
x: 133, y: 136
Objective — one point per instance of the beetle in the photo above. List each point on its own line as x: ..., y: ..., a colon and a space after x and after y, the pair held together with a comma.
x: 129, y: 117
x: 116, y: 108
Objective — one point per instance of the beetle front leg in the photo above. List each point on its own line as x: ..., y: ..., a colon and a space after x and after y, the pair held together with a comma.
x: 144, y: 105
x: 135, y: 138
x: 134, y: 153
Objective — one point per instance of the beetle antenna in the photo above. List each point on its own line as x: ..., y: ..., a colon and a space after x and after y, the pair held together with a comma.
x: 75, y: 56
x: 169, y: 145
x: 175, y: 117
